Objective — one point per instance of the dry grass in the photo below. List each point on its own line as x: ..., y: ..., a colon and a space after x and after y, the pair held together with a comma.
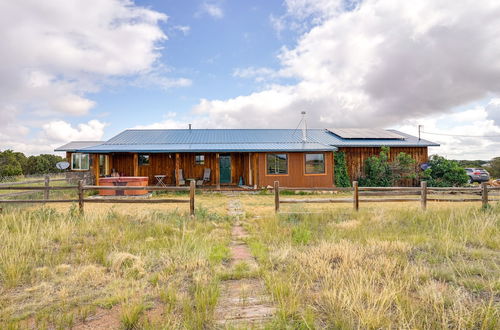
x: 388, y: 266
x: 57, y: 269
x: 384, y: 267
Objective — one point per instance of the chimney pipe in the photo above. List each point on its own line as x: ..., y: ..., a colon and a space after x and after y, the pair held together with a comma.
x: 189, y: 126
x: 304, y: 128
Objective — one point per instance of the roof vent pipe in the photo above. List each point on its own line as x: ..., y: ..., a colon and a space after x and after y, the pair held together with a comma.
x: 189, y: 126
x: 304, y: 128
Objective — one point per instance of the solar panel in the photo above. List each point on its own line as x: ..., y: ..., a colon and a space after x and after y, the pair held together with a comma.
x: 366, y: 133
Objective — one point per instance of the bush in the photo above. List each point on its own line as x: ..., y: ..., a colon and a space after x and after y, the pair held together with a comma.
x: 378, y: 172
x: 341, y: 176
x: 444, y: 173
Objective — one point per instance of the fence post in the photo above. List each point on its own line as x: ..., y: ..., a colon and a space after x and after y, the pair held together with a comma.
x: 423, y: 195
x: 276, y: 196
x: 80, y: 196
x: 47, y: 184
x: 484, y: 194
x: 356, y: 195
x: 192, y: 187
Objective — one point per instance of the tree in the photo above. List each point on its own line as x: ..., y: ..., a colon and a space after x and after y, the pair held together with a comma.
x: 445, y: 173
x: 341, y: 176
x: 42, y: 164
x: 404, y: 167
x: 9, y: 164
x: 494, y: 168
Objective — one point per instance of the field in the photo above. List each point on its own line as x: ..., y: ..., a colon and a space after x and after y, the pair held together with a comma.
x: 152, y: 266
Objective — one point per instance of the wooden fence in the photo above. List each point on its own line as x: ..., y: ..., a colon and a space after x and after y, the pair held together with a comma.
x: 390, y: 194
x: 81, y: 199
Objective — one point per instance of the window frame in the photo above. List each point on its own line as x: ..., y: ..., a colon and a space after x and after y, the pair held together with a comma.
x: 305, y: 163
x: 201, y: 161
x: 139, y: 159
x: 267, y: 163
x: 78, y: 157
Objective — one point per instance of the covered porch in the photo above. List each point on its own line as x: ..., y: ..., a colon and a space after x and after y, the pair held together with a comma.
x: 226, y: 169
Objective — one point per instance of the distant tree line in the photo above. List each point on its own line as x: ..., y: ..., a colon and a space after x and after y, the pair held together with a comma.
x: 16, y: 163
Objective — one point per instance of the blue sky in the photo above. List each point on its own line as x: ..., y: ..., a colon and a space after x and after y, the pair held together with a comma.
x: 75, y: 70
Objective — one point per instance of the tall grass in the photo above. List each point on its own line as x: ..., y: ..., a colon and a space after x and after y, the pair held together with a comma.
x: 383, y: 268
x: 60, y: 263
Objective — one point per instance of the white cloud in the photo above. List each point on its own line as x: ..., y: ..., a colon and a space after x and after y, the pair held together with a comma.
x: 380, y: 64
x: 259, y: 74
x: 213, y: 9
x: 55, y: 53
x: 185, y: 29
x: 61, y: 132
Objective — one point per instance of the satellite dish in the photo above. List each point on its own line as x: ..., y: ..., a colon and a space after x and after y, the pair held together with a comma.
x: 62, y: 165
x: 425, y: 166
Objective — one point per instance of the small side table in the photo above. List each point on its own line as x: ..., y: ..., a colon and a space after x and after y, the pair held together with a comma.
x: 159, y: 180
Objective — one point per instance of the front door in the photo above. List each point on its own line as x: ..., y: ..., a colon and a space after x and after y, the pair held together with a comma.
x: 225, y: 168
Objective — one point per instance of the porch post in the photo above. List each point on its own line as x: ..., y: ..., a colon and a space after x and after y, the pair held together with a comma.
x: 177, y: 169
x: 136, y: 164
x: 96, y: 168
x: 250, y: 179
x: 217, y: 171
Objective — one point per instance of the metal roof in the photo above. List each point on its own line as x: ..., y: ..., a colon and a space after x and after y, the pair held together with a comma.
x: 76, y: 145
x: 365, y: 133
x: 241, y: 140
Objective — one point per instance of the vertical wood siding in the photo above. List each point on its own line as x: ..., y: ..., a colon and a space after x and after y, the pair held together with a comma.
x: 296, y: 176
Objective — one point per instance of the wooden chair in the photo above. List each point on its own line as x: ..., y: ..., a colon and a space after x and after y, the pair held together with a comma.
x: 206, y: 177
x: 181, y: 178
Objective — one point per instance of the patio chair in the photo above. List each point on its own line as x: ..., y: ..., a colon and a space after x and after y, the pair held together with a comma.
x: 181, y: 178
x: 206, y: 177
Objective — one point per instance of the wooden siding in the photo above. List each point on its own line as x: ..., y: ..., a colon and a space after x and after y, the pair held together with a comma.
x: 296, y: 176
x: 356, y: 157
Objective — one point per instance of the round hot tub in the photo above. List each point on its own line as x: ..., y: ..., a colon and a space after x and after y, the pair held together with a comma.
x: 139, y: 181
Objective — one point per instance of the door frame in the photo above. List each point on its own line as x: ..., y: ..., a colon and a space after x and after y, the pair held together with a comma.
x: 221, y: 156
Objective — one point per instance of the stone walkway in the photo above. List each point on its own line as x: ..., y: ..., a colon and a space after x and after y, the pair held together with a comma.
x: 243, y: 303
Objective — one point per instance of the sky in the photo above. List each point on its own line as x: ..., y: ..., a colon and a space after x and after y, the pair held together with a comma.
x: 87, y: 70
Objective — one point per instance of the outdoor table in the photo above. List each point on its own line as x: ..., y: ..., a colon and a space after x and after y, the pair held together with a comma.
x: 159, y: 180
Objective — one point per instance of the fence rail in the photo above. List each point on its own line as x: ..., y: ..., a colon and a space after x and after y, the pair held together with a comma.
x: 81, y: 200
x: 392, y: 192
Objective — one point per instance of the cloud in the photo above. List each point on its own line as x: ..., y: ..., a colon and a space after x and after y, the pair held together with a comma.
x: 55, y: 54
x: 62, y: 132
x: 212, y: 9
x: 259, y: 74
x: 185, y: 29
x: 377, y: 63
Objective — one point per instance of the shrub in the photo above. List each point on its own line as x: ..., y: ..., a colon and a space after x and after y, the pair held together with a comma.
x: 378, y: 172
x: 341, y: 176
x: 444, y: 173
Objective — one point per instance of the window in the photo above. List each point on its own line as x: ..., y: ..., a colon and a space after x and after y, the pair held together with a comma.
x: 315, y: 163
x: 143, y: 159
x: 277, y: 164
x: 103, y: 165
x: 79, y: 161
x: 199, y: 159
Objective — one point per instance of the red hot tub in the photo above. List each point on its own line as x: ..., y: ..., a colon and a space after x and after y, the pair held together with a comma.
x: 139, y: 181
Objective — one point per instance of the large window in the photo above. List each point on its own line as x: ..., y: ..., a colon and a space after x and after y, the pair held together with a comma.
x: 79, y: 161
x: 315, y: 163
x: 199, y: 159
x: 143, y: 159
x: 277, y: 164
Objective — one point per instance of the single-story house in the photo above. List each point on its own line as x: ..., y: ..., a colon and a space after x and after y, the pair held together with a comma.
x: 250, y: 157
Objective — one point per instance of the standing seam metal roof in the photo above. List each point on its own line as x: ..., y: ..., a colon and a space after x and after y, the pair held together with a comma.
x: 225, y: 140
